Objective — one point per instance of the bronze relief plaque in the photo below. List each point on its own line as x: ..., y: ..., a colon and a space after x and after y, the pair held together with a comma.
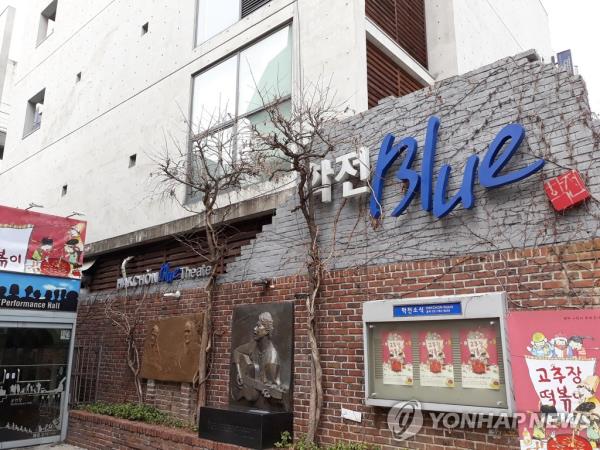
x: 172, y: 348
x: 262, y: 340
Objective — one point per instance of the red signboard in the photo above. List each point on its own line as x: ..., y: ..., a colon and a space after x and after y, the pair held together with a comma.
x: 41, y: 244
x: 566, y: 190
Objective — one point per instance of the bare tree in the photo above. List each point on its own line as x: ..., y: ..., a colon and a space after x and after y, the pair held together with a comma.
x: 212, y: 170
x: 124, y: 312
x: 292, y: 140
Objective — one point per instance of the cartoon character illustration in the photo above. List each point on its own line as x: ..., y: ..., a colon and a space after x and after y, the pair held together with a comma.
x: 586, y: 394
x: 73, y: 248
x: 396, y: 344
x: 42, y: 253
x: 575, y: 348
x: 540, y: 346
x: 560, y: 346
x: 593, y: 432
x: 435, y: 352
x: 479, y: 356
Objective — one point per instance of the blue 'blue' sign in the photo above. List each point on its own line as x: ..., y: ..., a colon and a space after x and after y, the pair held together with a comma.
x: 434, y: 198
x: 434, y: 309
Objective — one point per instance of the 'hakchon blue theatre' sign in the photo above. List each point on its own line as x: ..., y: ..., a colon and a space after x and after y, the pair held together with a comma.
x: 434, y: 309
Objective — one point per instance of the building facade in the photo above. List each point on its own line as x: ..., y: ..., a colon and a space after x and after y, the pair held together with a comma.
x: 115, y: 83
x: 510, y: 242
x: 103, y: 92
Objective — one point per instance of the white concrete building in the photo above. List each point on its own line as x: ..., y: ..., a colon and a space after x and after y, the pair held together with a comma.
x: 102, y: 87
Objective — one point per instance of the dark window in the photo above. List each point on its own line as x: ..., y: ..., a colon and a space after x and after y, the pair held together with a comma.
x: 132, y: 160
x: 47, y: 21
x: 64, y: 190
x: 145, y: 28
x: 2, y: 141
x: 33, y: 115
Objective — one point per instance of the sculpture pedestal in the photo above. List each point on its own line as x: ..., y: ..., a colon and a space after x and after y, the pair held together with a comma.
x: 247, y: 427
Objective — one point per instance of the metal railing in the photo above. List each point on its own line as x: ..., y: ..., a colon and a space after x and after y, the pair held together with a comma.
x: 85, y: 372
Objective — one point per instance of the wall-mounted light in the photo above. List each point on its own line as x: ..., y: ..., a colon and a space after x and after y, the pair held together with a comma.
x: 265, y: 283
x: 176, y: 295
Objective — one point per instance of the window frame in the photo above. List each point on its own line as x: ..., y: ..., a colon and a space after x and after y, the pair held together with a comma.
x: 44, y: 22
x: 237, y: 118
x: 29, y: 127
x: 196, y: 42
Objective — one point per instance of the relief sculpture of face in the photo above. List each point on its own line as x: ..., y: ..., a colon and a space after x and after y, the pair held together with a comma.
x: 187, y: 332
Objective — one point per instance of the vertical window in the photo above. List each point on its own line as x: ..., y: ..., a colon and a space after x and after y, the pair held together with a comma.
x: 2, y: 141
x: 214, y: 99
x: 33, y: 115
x: 243, y: 83
x: 265, y: 71
x: 47, y: 21
x: 231, y: 96
x: 215, y: 16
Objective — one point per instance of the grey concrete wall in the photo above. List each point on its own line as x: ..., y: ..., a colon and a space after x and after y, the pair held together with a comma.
x: 548, y: 102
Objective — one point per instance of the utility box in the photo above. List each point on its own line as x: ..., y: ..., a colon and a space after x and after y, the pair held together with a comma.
x: 448, y: 353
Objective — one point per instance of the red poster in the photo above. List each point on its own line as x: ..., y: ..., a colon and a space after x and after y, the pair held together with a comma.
x: 554, y: 370
x: 41, y: 244
x: 436, y: 367
x: 397, y: 358
x: 479, y: 358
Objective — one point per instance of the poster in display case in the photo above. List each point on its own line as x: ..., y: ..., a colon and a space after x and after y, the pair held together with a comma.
x: 449, y: 353
x: 436, y: 358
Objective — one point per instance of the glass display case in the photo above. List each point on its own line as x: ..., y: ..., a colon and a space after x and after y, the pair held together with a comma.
x: 449, y: 353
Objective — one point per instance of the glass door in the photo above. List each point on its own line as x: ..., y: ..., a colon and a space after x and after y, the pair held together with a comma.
x: 34, y: 363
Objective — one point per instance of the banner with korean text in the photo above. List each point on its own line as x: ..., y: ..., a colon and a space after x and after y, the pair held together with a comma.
x: 556, y: 378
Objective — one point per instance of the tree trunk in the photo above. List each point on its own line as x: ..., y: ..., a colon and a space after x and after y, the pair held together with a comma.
x: 203, y: 362
x: 316, y: 392
x: 205, y: 343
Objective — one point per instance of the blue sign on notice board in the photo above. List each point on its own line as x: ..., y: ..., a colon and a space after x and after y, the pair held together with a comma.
x: 433, y: 309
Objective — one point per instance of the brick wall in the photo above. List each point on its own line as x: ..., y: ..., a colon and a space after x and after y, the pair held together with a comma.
x: 97, y: 432
x: 543, y: 277
x: 510, y: 241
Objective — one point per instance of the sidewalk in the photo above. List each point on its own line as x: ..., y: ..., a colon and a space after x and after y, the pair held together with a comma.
x: 53, y: 447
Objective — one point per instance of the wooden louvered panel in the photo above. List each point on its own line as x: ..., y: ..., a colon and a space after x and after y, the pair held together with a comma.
x: 249, y: 6
x: 385, y: 78
x: 106, y: 270
x: 404, y: 22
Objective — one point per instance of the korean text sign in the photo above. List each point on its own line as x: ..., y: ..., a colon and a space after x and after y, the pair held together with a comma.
x: 554, y: 365
x: 40, y: 244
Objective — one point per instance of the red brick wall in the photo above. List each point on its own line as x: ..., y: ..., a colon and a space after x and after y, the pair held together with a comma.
x: 546, y: 277
x: 96, y: 432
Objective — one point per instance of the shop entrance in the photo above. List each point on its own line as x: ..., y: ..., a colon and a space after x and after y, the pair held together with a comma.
x: 34, y: 369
